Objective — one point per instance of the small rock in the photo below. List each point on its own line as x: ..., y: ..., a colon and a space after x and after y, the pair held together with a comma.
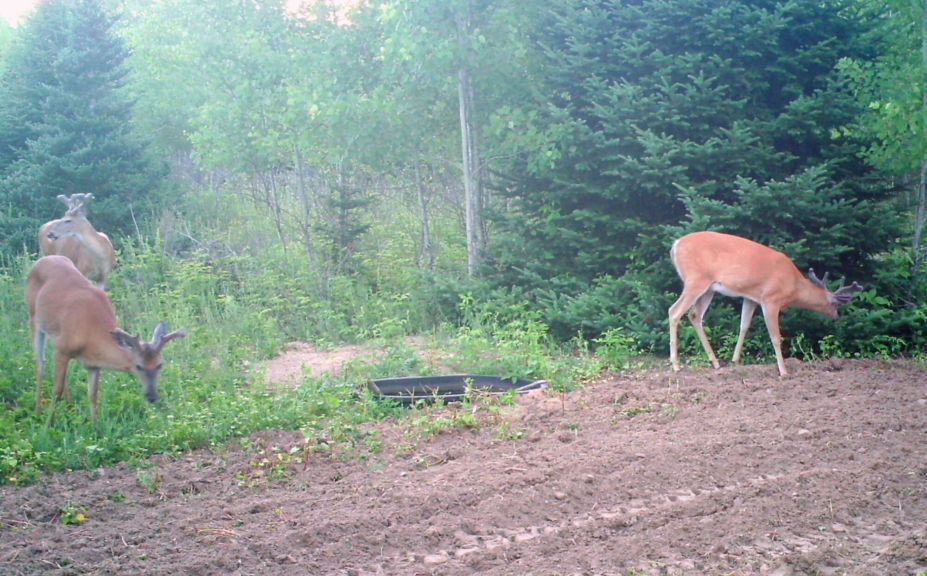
x: 461, y: 552
x: 432, y: 559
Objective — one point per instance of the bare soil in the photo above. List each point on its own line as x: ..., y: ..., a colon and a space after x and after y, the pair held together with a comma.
x: 302, y: 359
x: 723, y: 472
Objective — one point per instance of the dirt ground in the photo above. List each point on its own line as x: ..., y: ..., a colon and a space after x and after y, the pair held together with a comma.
x: 730, y: 472
x: 302, y: 359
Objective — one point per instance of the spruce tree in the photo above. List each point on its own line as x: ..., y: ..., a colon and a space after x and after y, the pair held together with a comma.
x: 65, y: 125
x: 661, y: 117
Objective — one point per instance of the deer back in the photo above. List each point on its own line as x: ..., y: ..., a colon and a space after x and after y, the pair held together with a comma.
x: 79, y: 316
x: 736, y: 266
x: 74, y: 237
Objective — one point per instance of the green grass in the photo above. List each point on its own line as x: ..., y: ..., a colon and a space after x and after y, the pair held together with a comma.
x: 238, y: 312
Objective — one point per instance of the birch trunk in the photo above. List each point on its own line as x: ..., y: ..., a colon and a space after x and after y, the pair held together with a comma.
x: 427, y: 256
x: 473, y: 184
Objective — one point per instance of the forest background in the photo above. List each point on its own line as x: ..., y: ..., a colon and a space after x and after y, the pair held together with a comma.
x: 506, y: 175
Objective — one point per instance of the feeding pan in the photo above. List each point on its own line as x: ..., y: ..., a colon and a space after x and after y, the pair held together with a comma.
x: 452, y: 388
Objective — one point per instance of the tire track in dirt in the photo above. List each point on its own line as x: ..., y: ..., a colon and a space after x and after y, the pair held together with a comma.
x: 825, y: 552
x: 635, y: 511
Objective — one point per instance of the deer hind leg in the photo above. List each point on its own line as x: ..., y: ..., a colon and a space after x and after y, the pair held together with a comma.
x: 41, y: 367
x: 697, y: 317
x: 771, y: 316
x: 689, y: 298
x: 746, y: 318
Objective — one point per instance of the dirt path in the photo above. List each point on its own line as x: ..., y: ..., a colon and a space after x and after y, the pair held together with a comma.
x: 728, y: 472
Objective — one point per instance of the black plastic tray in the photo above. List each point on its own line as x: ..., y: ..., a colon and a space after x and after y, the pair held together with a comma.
x: 452, y: 388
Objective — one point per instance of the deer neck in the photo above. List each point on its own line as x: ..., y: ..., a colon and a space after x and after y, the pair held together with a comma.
x: 109, y: 356
x: 90, y: 239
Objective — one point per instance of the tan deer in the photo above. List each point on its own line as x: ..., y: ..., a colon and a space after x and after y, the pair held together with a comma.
x: 710, y: 262
x: 77, y: 204
x: 65, y: 305
x: 75, y: 237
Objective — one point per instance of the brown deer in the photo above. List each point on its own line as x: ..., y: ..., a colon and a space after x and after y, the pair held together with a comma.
x: 80, y: 318
x: 710, y: 262
x: 75, y: 237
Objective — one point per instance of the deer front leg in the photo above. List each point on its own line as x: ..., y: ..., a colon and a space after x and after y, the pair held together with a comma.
x: 62, y: 387
x: 94, y: 391
x: 746, y: 318
x: 61, y: 384
x: 771, y: 316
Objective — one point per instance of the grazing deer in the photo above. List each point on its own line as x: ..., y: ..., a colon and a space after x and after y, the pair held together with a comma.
x: 75, y: 237
x: 709, y: 262
x: 80, y: 318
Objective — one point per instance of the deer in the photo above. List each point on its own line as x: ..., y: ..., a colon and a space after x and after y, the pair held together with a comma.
x: 712, y: 262
x: 80, y: 318
x: 75, y: 237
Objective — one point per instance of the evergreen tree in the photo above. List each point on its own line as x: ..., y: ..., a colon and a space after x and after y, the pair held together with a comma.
x: 667, y: 116
x: 65, y: 125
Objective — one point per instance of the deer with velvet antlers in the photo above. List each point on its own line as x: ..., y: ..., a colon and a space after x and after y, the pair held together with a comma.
x: 75, y: 237
x: 81, y: 320
x: 711, y: 262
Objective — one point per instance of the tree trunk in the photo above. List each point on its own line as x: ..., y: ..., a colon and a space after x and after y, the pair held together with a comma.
x: 427, y: 256
x: 473, y: 183
x: 274, y: 195
x: 306, y: 201
x: 920, y: 218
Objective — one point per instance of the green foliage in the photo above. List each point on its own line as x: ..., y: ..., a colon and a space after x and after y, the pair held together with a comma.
x: 890, y: 88
x: 239, y: 311
x: 514, y: 342
x: 65, y: 126
x: 660, y: 118
x: 7, y: 33
x: 889, y: 319
x: 616, y: 348
x: 206, y: 397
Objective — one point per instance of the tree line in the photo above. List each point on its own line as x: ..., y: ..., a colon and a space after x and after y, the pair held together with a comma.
x: 540, y: 153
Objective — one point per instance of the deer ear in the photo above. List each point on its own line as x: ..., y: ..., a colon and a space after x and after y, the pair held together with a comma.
x: 125, y: 339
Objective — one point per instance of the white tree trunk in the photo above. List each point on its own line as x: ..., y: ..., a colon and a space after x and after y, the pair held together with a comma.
x: 427, y: 257
x: 473, y: 182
